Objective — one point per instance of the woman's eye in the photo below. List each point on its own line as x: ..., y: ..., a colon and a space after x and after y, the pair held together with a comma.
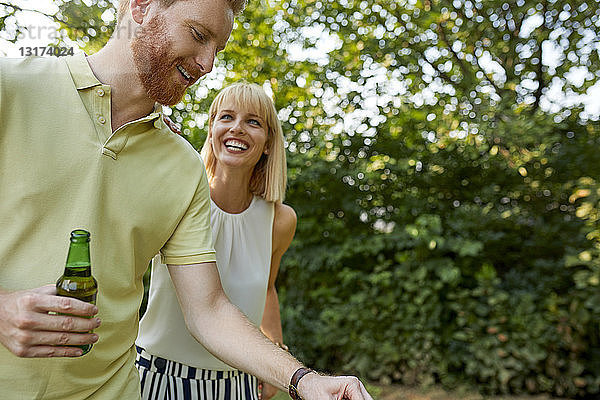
x: 254, y: 122
x: 226, y: 116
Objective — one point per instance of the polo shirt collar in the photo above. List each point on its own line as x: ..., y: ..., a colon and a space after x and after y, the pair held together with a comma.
x: 82, y: 74
x: 84, y: 78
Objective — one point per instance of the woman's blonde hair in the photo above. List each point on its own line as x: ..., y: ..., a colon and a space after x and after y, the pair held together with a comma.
x: 269, y: 178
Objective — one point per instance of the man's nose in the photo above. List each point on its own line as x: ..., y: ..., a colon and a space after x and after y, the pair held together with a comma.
x: 205, y: 61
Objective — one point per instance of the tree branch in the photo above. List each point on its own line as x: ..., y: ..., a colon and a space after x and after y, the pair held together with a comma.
x: 508, y: 62
x: 540, y: 68
x: 459, y: 61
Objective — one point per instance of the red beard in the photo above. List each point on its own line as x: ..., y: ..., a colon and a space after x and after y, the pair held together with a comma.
x: 154, y: 60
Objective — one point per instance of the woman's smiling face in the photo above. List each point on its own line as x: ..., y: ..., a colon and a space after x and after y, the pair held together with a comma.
x: 239, y: 135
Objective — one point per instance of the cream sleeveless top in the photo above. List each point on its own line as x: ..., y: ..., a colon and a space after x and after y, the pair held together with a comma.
x: 243, y: 243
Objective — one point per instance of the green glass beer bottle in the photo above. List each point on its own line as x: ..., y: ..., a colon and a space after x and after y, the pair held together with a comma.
x: 77, y: 281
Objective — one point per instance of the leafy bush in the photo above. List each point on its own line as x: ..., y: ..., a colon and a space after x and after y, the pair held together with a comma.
x: 492, y: 283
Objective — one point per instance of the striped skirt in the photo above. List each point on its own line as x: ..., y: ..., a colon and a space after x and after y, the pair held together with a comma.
x: 162, y: 379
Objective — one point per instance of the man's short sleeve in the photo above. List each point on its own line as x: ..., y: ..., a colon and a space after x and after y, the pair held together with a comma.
x: 191, y: 243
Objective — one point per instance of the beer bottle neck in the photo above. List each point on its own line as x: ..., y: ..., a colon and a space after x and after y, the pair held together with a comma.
x: 78, y: 260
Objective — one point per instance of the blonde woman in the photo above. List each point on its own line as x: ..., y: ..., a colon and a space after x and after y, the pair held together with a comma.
x: 245, y: 162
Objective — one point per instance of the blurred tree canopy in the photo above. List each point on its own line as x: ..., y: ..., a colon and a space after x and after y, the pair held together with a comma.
x: 445, y: 174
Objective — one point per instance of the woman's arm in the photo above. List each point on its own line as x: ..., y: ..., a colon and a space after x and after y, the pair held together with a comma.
x: 284, y: 227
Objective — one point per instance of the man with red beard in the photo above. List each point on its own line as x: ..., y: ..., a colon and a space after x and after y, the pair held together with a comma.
x: 82, y: 145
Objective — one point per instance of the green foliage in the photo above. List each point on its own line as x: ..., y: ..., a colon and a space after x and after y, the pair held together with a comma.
x: 479, y: 267
x: 86, y: 22
x: 448, y: 206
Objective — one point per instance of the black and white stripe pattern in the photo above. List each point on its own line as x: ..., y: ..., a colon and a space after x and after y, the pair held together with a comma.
x: 162, y: 379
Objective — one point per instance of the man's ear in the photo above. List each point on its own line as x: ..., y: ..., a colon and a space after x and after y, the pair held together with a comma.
x: 139, y: 9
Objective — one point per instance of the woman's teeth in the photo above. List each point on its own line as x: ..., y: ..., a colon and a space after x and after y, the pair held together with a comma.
x: 236, y: 145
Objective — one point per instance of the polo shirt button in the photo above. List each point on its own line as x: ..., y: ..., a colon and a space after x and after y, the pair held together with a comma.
x: 100, y: 92
x: 101, y: 119
x: 160, y: 363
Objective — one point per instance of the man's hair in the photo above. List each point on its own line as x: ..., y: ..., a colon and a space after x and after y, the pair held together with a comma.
x: 236, y: 5
x: 269, y: 178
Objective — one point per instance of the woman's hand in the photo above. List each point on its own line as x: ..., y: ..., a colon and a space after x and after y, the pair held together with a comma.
x: 266, y: 391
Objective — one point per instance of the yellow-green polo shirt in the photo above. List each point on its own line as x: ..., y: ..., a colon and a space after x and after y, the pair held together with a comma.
x: 139, y: 190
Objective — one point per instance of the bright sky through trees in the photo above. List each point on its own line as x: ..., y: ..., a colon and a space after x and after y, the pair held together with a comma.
x: 41, y: 31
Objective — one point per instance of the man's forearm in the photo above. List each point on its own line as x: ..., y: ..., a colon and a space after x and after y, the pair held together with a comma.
x: 226, y: 332
x: 240, y: 344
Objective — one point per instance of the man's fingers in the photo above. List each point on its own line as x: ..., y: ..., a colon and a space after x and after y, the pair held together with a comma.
x: 47, y: 289
x: 61, y: 305
x: 31, y: 327
x: 64, y: 323
x: 355, y: 390
x: 65, y: 338
x: 33, y: 343
x: 52, y: 351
